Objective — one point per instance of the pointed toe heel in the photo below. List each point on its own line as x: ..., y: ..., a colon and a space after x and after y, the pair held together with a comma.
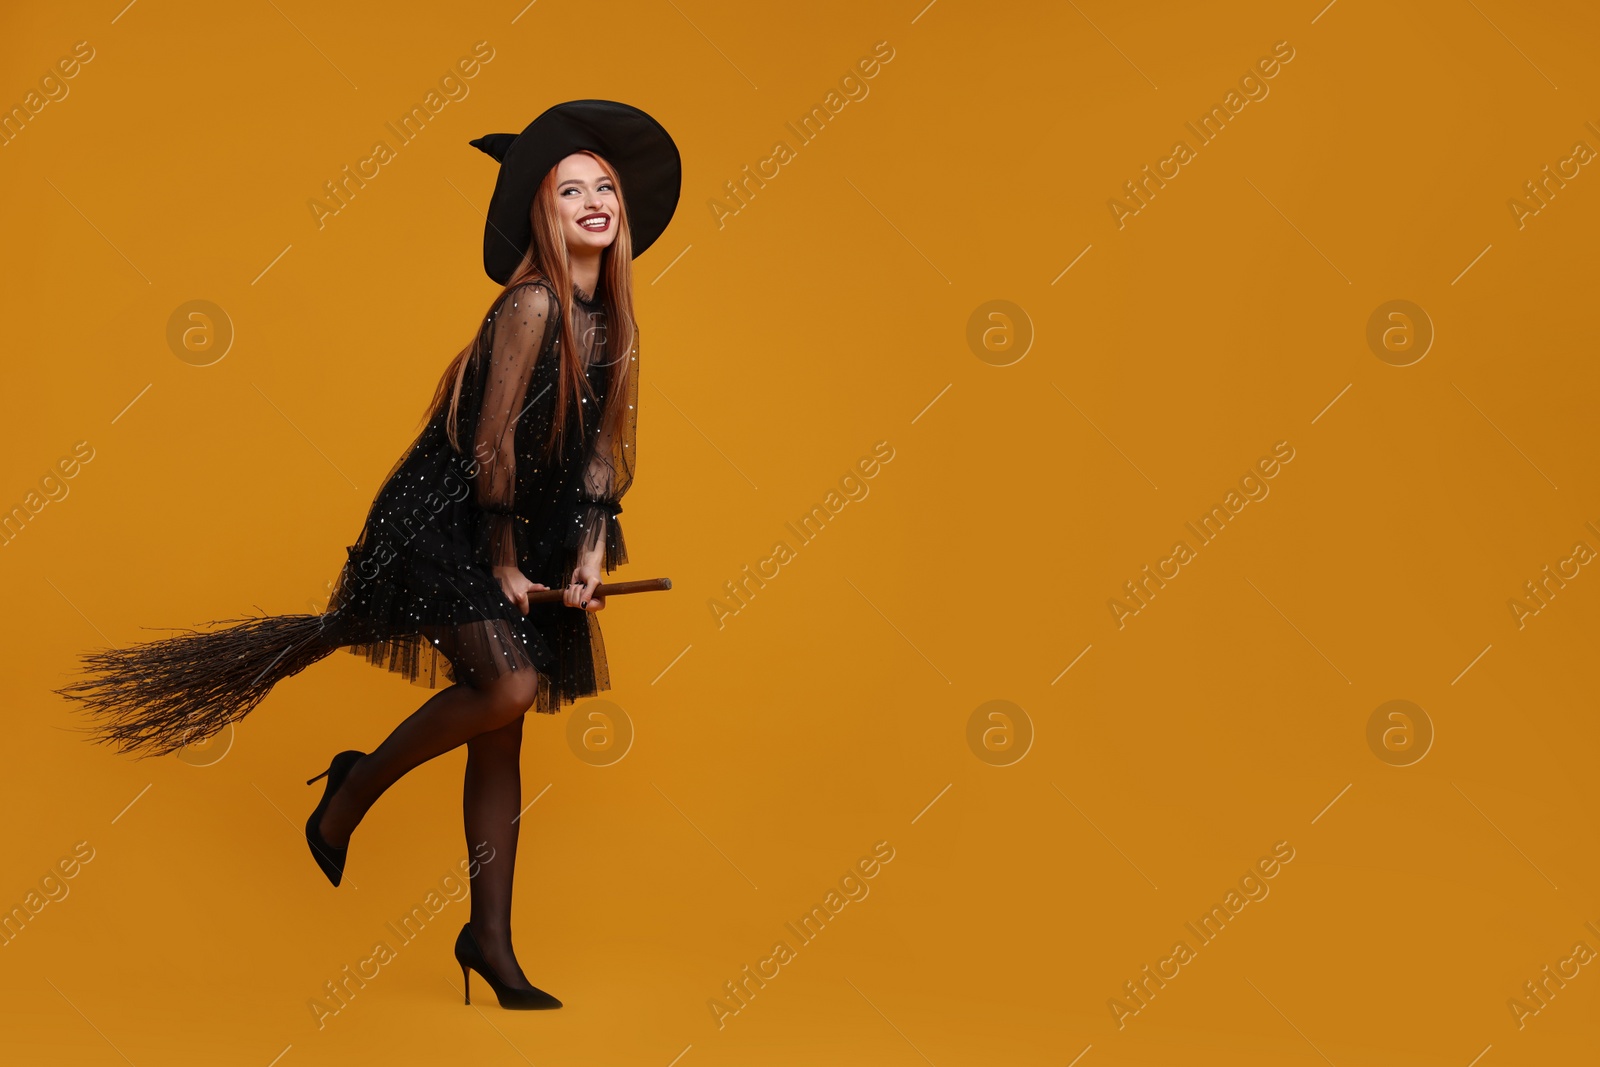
x: 513, y: 998
x: 330, y: 858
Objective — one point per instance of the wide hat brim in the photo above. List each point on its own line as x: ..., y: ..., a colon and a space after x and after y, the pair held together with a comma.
x: 643, y: 153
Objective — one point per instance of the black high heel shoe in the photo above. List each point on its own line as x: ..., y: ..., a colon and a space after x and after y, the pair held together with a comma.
x: 330, y: 857
x: 470, y: 956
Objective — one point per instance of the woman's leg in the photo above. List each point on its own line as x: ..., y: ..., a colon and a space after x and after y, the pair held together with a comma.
x: 451, y: 717
x: 491, y: 803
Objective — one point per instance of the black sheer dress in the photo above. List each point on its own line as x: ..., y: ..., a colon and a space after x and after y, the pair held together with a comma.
x: 418, y: 594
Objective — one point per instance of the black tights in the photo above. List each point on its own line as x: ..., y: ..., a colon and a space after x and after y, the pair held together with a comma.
x: 487, y: 718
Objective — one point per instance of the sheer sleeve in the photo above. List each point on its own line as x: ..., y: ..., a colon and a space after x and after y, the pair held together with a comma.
x: 518, y: 336
x: 607, y: 476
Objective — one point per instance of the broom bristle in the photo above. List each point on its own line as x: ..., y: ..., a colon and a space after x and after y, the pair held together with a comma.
x: 156, y: 697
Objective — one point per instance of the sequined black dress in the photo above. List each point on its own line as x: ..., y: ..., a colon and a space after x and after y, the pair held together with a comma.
x: 418, y: 594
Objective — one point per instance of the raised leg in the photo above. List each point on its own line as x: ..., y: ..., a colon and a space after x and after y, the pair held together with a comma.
x: 451, y: 717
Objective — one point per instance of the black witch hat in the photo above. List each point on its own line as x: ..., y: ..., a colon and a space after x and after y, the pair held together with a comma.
x: 644, y: 155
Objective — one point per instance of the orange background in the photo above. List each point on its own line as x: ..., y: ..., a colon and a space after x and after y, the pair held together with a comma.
x: 836, y: 709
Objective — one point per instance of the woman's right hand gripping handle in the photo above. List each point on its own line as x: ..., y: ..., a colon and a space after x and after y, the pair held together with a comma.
x: 516, y: 586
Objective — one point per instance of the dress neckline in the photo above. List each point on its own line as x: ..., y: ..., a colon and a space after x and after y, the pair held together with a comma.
x: 591, y: 303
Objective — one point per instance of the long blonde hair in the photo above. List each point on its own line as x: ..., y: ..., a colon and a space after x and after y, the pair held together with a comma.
x: 546, y: 260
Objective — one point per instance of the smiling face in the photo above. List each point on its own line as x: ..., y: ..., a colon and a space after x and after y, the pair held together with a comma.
x: 587, y: 200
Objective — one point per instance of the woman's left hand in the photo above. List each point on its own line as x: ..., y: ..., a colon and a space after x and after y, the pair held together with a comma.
x: 580, y: 588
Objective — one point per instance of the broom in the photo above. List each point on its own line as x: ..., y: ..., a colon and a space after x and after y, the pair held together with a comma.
x: 157, y: 697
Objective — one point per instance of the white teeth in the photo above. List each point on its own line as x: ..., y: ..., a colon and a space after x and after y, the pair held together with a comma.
x: 593, y: 224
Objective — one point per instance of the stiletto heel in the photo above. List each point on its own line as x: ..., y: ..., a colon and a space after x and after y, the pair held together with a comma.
x: 469, y: 955
x: 330, y: 857
x: 466, y: 984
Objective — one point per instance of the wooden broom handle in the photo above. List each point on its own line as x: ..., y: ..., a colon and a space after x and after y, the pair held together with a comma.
x: 642, y: 585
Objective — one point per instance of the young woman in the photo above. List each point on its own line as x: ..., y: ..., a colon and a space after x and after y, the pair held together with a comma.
x: 513, y: 485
